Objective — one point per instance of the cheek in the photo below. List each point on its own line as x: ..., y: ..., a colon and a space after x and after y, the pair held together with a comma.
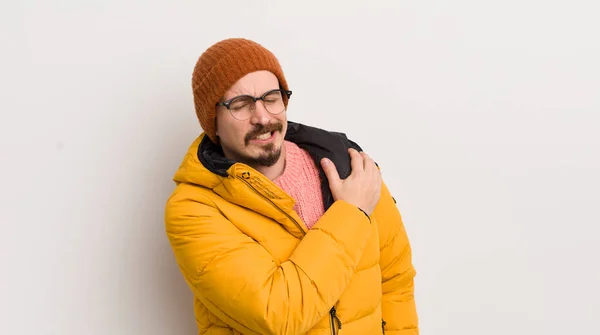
x: 224, y: 125
x: 233, y: 133
x: 282, y: 118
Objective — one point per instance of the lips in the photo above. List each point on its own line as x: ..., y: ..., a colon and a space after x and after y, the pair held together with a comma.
x: 263, y: 132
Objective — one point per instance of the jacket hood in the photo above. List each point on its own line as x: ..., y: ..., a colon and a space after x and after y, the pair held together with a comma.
x: 205, y: 164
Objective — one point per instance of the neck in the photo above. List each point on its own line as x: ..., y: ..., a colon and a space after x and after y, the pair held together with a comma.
x: 276, y: 170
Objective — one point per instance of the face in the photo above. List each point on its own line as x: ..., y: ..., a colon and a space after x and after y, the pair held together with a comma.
x: 257, y: 141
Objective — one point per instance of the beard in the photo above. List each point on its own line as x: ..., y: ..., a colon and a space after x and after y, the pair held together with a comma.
x: 270, y: 154
x: 266, y: 159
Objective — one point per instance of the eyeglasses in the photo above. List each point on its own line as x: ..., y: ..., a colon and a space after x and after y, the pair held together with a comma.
x: 242, y: 106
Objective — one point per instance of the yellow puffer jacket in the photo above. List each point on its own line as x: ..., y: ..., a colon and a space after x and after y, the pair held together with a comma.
x: 255, y: 269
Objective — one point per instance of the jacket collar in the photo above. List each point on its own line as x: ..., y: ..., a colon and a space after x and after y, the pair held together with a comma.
x: 319, y: 143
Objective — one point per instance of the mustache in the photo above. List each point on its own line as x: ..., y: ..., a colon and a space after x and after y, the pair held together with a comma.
x: 261, y: 129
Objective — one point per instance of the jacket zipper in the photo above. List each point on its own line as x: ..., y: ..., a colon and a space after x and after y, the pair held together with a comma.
x: 332, y: 320
x: 383, y: 323
x: 332, y: 312
x: 272, y: 203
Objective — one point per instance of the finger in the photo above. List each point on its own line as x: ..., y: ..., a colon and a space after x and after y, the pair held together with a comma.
x: 374, y: 171
x: 369, y: 164
x: 356, y: 160
x: 330, y: 172
x: 367, y: 161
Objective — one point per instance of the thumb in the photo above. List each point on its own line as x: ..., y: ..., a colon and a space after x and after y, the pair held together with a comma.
x: 331, y: 172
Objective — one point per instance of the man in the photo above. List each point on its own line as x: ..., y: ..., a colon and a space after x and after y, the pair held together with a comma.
x: 278, y: 227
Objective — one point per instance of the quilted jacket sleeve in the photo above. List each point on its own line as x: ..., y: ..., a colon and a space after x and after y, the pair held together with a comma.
x: 398, y: 304
x: 240, y: 282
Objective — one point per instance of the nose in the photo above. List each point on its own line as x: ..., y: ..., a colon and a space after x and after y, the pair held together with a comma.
x: 260, y: 115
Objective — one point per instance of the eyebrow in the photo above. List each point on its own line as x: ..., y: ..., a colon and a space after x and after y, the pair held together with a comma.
x: 224, y: 98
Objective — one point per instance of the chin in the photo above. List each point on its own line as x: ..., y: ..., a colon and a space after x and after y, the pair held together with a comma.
x: 266, y: 156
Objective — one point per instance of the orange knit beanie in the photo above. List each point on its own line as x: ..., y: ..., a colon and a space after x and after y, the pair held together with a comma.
x: 221, y: 66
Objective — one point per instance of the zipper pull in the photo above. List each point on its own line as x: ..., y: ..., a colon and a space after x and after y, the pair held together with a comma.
x: 335, y: 317
x: 383, y: 323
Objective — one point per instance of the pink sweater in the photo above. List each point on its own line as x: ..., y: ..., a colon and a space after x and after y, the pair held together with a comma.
x: 300, y: 179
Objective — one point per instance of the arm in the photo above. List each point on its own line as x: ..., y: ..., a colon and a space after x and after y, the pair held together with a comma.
x: 243, y: 285
x: 398, y: 304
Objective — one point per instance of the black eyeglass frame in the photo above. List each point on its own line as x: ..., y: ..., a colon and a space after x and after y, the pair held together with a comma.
x: 227, y: 103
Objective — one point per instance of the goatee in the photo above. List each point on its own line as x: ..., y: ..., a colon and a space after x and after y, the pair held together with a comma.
x: 270, y: 154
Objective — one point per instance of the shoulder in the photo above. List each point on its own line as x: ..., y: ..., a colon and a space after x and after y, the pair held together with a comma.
x: 186, y: 203
x: 388, y: 216
x: 185, y: 192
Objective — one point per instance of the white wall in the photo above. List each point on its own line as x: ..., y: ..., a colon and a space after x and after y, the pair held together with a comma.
x: 484, y: 116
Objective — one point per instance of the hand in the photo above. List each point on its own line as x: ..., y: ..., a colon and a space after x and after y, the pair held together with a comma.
x: 362, y: 188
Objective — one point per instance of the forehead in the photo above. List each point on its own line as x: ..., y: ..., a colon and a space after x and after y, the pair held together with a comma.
x: 254, y: 83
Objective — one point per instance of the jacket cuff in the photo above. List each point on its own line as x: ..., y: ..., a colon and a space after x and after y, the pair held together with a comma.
x: 365, y: 213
